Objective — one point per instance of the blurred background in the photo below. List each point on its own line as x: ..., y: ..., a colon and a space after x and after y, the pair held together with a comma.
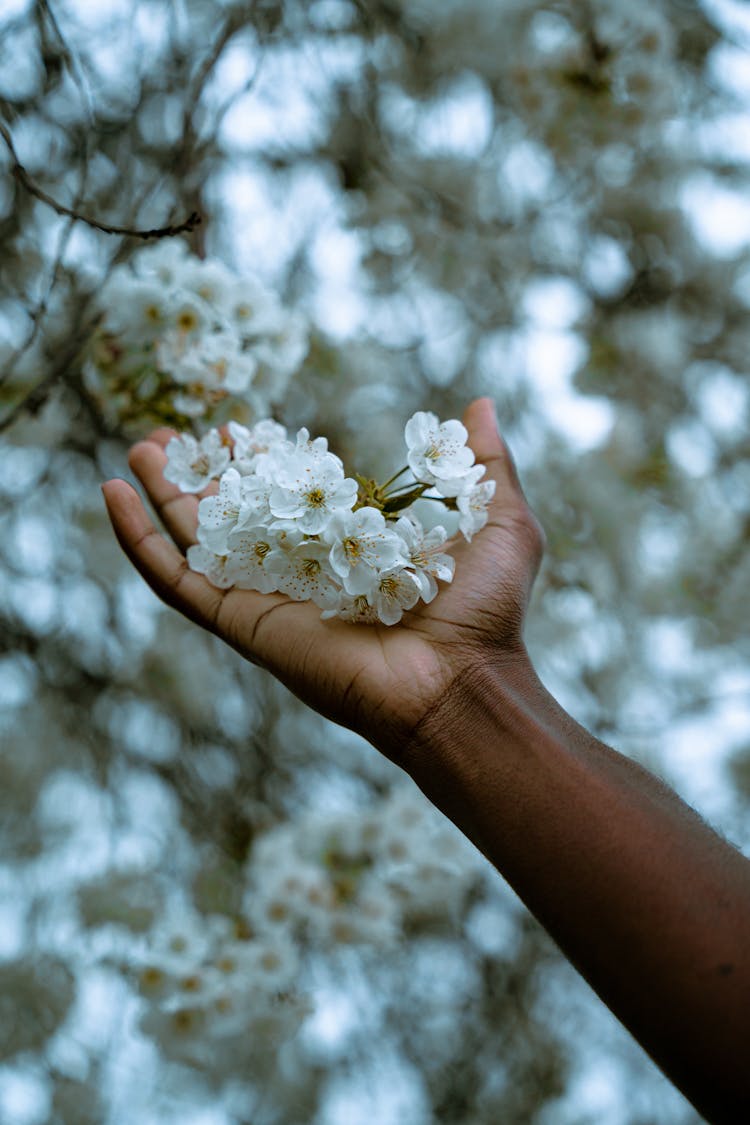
x: 215, y: 907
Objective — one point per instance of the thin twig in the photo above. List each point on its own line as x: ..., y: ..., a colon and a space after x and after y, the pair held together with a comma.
x: 71, y: 61
x: 193, y: 220
x: 34, y: 399
x: 245, y: 89
x: 77, y: 74
x: 37, y: 313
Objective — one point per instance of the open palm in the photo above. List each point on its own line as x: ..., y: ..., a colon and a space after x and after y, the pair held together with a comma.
x: 381, y: 681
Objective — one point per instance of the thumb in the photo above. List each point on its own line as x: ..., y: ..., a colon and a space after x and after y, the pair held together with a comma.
x: 490, y: 450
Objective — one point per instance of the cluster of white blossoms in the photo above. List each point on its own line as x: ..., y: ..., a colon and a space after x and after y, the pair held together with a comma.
x: 216, y: 994
x: 287, y: 519
x: 180, y: 335
x: 364, y: 877
x: 221, y: 993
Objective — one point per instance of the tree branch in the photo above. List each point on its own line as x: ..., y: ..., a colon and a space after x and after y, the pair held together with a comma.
x: 36, y: 397
x: 19, y: 172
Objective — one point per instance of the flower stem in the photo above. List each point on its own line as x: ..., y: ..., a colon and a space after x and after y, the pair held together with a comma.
x: 395, y: 476
x: 396, y: 502
x: 448, y: 501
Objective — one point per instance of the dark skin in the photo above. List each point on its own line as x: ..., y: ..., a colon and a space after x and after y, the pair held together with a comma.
x: 649, y: 904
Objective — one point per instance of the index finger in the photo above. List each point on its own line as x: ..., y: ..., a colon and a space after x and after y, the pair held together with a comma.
x: 177, y: 510
x: 158, y: 560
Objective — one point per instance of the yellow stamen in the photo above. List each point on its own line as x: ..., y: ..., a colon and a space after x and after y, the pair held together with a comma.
x: 200, y: 464
x: 353, y: 549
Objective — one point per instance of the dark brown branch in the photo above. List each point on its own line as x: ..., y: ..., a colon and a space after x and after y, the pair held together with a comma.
x: 36, y: 397
x: 23, y: 177
x: 71, y: 61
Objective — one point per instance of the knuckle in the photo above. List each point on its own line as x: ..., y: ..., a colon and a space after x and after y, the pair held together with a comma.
x: 539, y: 538
x: 532, y: 534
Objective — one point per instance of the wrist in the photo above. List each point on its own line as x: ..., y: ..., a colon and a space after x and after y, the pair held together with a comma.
x: 494, y: 708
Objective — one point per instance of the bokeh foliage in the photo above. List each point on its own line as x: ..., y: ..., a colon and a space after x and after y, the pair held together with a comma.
x: 532, y: 200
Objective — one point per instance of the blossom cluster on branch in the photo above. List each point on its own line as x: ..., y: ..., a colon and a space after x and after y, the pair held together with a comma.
x: 223, y: 992
x: 286, y: 518
x: 180, y: 335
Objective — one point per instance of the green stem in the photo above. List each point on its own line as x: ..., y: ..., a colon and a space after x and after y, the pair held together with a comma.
x: 395, y: 476
x: 448, y: 501
x: 396, y: 503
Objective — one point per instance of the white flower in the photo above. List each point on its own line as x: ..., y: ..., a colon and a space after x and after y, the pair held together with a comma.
x: 456, y: 485
x: 248, y: 550
x: 310, y: 489
x: 208, y: 279
x: 193, y: 464
x: 355, y: 609
x: 361, y: 546
x: 251, y: 445
x: 473, y: 508
x: 176, y: 1030
x: 212, y: 361
x: 396, y: 590
x: 219, y: 515
x: 254, y: 309
x: 304, y: 573
x: 203, y: 561
x: 209, y: 366
x: 437, y: 451
x: 425, y: 557
x: 315, y: 448
x: 135, y: 308
x: 267, y: 963
x: 164, y: 260
x: 256, y: 492
x: 189, y: 315
x: 230, y: 368
x: 190, y: 406
x: 171, y: 348
x: 271, y: 963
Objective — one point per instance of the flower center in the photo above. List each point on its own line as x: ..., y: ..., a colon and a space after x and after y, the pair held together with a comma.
x: 353, y: 549
x: 261, y: 549
x: 433, y: 451
x: 311, y: 568
x: 200, y: 464
x: 316, y: 497
x: 187, y: 320
x: 184, y: 1020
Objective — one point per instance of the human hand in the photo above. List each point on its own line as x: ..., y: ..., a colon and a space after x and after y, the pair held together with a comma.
x: 382, y: 681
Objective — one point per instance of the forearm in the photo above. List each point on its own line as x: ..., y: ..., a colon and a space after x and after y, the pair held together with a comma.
x: 647, y: 901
